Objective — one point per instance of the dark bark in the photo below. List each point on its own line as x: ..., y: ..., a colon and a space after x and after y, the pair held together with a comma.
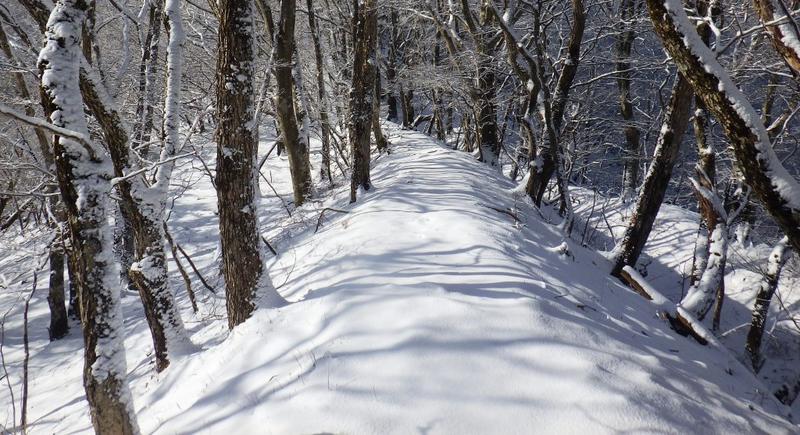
x: 484, y: 91
x: 380, y: 140
x: 407, y: 101
x: 148, y: 71
x: 237, y: 143
x: 286, y: 104
x: 325, y: 127
x: 391, y: 69
x: 59, y: 327
x: 652, y: 192
x: 747, y: 137
x: 777, y: 33
x: 361, y: 94
x: 632, y: 150
x: 549, y: 163
x: 766, y: 291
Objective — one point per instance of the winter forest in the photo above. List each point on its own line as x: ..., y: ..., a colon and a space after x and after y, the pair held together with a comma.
x: 399, y: 216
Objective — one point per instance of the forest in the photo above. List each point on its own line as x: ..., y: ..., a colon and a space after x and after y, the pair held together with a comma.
x: 399, y: 216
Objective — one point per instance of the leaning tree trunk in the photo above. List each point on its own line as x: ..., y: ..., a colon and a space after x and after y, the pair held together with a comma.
x: 361, y: 94
x: 237, y: 144
x: 651, y: 195
x: 83, y: 169
x: 784, y: 36
x: 286, y: 104
x: 777, y: 190
x: 149, y: 272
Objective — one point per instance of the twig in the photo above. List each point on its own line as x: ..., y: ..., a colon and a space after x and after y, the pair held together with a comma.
x: 24, y: 414
x: 285, y: 206
x: 274, y: 252
x: 322, y: 213
x: 186, y: 280
x: 504, y: 211
x: 194, y: 268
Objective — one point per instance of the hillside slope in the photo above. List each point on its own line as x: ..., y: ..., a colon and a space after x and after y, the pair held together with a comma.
x: 422, y: 309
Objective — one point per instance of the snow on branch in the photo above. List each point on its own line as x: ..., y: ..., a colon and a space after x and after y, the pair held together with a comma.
x: 41, y: 124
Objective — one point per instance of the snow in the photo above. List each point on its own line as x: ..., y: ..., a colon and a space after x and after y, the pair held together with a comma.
x: 783, y: 182
x: 419, y: 310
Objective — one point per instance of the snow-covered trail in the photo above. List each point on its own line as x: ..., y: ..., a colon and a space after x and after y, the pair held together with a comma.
x: 423, y: 310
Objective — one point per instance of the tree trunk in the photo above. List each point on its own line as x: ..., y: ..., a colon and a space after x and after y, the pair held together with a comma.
x: 237, y: 143
x: 380, y: 140
x: 656, y: 182
x: 148, y: 73
x: 777, y: 190
x: 766, y: 290
x: 391, y: 69
x: 286, y: 104
x: 407, y: 101
x: 325, y: 170
x: 361, y: 94
x: 81, y: 167
x: 58, y: 312
x: 632, y: 150
x: 55, y: 297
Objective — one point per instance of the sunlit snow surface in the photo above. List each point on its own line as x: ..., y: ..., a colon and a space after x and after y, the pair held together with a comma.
x: 421, y: 310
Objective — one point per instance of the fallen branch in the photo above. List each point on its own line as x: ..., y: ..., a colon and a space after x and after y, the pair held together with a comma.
x: 322, y: 213
x: 504, y: 211
x: 680, y: 320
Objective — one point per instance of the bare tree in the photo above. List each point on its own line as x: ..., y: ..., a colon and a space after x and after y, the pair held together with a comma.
x: 237, y: 144
x: 84, y: 169
x: 287, y: 105
x: 777, y: 190
x: 361, y: 93
x: 630, y: 176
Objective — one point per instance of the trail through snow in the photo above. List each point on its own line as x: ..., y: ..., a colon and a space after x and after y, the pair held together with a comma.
x: 421, y: 310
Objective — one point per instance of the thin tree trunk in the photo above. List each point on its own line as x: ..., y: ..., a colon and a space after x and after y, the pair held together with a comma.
x: 59, y: 327
x: 325, y: 170
x: 632, y: 150
x: 380, y: 140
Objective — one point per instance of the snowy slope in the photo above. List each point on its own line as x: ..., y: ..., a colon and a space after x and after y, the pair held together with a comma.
x: 420, y: 310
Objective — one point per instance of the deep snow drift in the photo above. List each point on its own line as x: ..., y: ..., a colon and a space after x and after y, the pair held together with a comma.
x: 423, y: 309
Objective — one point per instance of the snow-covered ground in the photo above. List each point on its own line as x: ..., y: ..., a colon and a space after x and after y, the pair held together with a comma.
x: 667, y: 263
x: 423, y: 309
